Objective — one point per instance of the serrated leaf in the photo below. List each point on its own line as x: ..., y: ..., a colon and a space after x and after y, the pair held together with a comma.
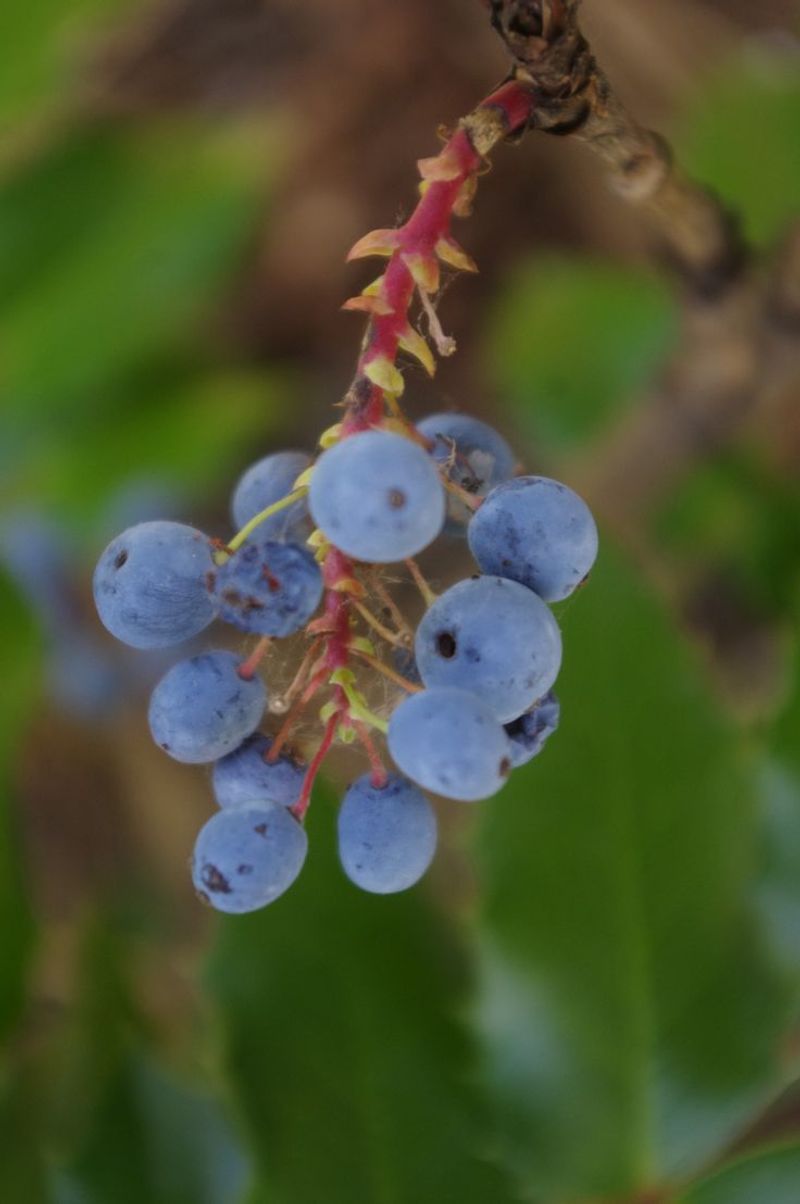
x: 572, y: 342
x: 771, y: 1176
x: 339, y: 1018
x: 626, y: 994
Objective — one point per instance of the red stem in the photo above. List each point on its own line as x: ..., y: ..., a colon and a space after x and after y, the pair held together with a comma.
x: 379, y: 774
x: 415, y: 243
x: 301, y: 806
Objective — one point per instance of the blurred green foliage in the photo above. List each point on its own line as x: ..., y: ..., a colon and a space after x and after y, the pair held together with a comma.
x: 572, y: 342
x: 613, y: 1006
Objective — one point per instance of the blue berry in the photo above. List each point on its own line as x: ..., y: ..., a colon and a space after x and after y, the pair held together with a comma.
x: 267, y: 587
x: 387, y: 834
x: 268, y: 481
x: 494, y: 637
x: 202, y: 709
x: 377, y: 496
x: 448, y: 741
x: 245, y: 776
x: 476, y: 458
x: 247, y: 856
x: 149, y: 585
x: 530, y: 732
x: 535, y: 531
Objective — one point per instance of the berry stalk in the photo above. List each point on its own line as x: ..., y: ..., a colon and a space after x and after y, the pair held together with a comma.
x: 415, y: 252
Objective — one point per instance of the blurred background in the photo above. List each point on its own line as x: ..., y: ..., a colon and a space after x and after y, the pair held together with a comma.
x: 594, y: 994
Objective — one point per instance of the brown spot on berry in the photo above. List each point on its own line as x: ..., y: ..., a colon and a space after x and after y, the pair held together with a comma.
x: 505, y: 767
x: 121, y: 558
x: 262, y: 829
x: 272, y: 582
x: 397, y: 499
x: 216, y: 882
x: 446, y: 644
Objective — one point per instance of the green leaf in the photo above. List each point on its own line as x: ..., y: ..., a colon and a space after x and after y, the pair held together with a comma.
x: 339, y: 1022
x: 135, y: 1131
x: 736, y: 513
x: 573, y: 341
x: 21, y: 1153
x: 769, y: 1177
x: 47, y: 37
x: 115, y: 290
x: 19, y: 660
x: 629, y: 1014
x: 739, y: 135
x: 192, y: 433
x: 779, y: 878
x: 155, y: 1139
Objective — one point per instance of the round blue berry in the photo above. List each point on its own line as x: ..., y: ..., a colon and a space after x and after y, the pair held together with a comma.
x: 448, y: 741
x: 267, y: 587
x: 377, y: 496
x: 266, y: 482
x: 535, y: 531
x: 494, y: 637
x: 202, y: 709
x: 387, y: 834
x: 247, y: 856
x: 530, y: 732
x: 245, y: 775
x: 474, y: 455
x: 150, y: 585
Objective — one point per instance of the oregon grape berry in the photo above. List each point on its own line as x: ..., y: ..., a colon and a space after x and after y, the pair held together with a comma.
x: 448, y: 741
x: 245, y: 857
x: 529, y: 733
x: 535, y: 531
x: 266, y: 482
x: 267, y: 587
x: 377, y: 496
x: 149, y: 585
x: 387, y: 834
x: 492, y: 636
x: 202, y: 708
x: 245, y: 775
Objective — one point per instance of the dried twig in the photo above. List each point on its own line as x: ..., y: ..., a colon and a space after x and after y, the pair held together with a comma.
x: 697, y: 235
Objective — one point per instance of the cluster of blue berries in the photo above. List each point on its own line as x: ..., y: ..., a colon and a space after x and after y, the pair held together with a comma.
x: 478, y: 678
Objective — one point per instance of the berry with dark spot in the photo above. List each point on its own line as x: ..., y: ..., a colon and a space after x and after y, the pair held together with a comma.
x: 245, y: 857
x: 202, y: 709
x: 494, y: 637
x: 267, y: 587
x: 149, y: 585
